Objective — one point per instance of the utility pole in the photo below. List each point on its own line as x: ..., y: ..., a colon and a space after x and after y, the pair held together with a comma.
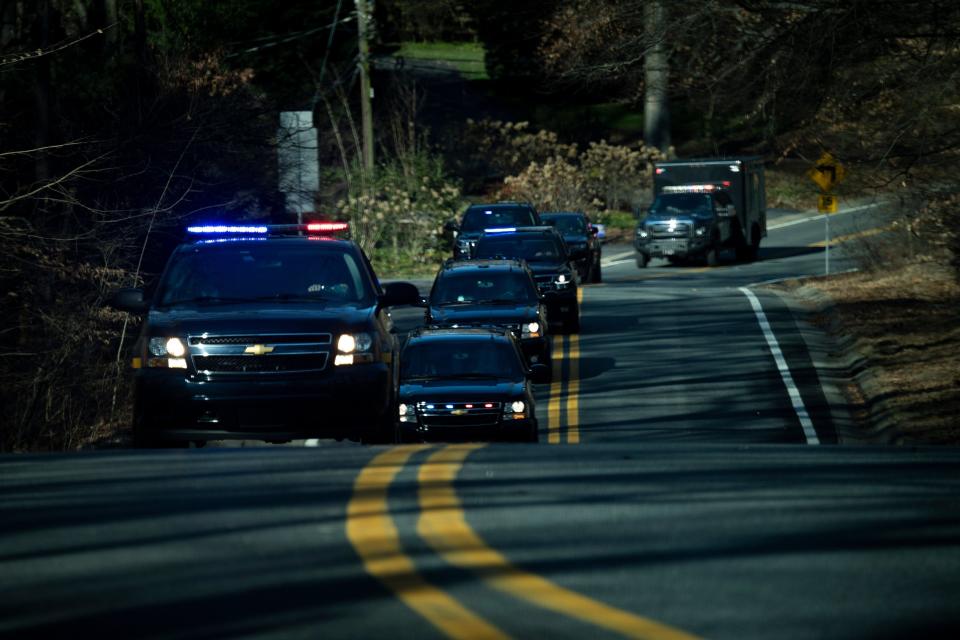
x: 366, y: 91
x: 656, y: 67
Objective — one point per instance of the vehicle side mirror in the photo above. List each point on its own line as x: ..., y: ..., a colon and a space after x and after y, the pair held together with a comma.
x: 594, y: 230
x: 129, y: 300
x: 539, y: 373
x: 728, y: 212
x: 400, y: 293
x: 451, y: 225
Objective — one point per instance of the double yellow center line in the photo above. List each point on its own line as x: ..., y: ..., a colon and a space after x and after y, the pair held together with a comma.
x: 442, y: 524
x: 564, y: 391
x: 565, y: 349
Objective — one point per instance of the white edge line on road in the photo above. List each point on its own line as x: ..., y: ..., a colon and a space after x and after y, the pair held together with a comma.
x: 808, y: 431
x: 312, y: 442
x: 819, y: 216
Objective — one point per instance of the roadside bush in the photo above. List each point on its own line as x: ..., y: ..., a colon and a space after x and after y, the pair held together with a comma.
x: 59, y: 383
x: 618, y: 176
x: 603, y: 177
x: 554, y: 185
x: 402, y: 211
x: 498, y: 149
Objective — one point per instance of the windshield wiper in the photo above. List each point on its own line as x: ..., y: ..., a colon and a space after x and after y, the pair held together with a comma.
x: 207, y: 300
x: 453, y: 303
x: 474, y: 376
x: 294, y: 297
x: 499, y: 301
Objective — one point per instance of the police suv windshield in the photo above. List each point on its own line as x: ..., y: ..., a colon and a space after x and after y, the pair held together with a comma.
x: 680, y: 203
x: 532, y: 247
x: 478, y: 219
x: 461, y: 359
x: 483, y: 286
x: 264, y: 270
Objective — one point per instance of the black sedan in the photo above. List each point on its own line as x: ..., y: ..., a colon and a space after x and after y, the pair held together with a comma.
x: 466, y: 384
x: 582, y: 240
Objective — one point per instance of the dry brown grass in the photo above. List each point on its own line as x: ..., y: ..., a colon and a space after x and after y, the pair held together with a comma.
x: 904, y: 322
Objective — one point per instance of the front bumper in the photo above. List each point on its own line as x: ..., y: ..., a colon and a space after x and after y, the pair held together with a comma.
x: 340, y: 403
x: 536, y: 349
x: 560, y: 305
x: 504, y: 430
x: 680, y: 247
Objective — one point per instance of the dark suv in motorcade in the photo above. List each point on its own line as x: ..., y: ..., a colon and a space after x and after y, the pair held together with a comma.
x: 545, y: 252
x: 499, y: 293
x: 480, y: 217
x: 266, y: 336
x: 466, y: 384
x: 581, y: 238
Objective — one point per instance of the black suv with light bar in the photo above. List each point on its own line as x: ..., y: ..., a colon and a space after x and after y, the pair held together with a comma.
x: 466, y: 384
x: 499, y: 293
x: 265, y: 332
x: 546, y: 253
x: 478, y: 218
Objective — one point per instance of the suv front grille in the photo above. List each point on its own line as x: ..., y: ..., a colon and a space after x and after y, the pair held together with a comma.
x: 283, y: 338
x: 260, y: 354
x: 663, y: 229
x: 459, y: 414
x: 260, y: 364
x: 546, y: 283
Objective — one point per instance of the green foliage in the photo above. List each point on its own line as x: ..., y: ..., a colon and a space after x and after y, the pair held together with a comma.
x: 468, y: 58
x: 557, y: 176
x: 398, y: 215
x: 621, y: 220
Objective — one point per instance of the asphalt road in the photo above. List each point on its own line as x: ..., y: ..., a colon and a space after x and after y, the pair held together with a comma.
x: 679, y: 490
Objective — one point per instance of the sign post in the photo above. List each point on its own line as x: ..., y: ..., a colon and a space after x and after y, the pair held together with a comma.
x: 827, y: 173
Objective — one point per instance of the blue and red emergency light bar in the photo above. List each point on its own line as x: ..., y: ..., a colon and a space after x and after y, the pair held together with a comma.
x: 309, y: 229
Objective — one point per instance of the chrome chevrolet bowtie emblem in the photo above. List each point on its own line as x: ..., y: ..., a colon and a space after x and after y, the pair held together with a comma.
x: 672, y: 225
x: 258, y: 349
x: 459, y: 412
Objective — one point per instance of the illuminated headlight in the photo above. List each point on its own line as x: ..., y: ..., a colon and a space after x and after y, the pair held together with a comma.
x: 642, y: 233
x: 516, y: 410
x: 530, y: 330
x: 166, y: 353
x: 407, y: 412
x: 353, y: 348
x: 701, y: 231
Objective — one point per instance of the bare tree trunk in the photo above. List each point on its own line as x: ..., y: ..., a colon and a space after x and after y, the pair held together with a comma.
x: 656, y: 112
x: 111, y: 17
x: 41, y: 90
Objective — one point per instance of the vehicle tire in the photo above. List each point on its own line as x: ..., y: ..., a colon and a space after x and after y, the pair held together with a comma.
x: 533, y: 435
x: 642, y: 260
x: 713, y: 255
x: 571, y: 323
x: 596, y: 276
x: 754, y: 251
x: 403, y: 436
x: 383, y: 433
x: 742, y: 248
